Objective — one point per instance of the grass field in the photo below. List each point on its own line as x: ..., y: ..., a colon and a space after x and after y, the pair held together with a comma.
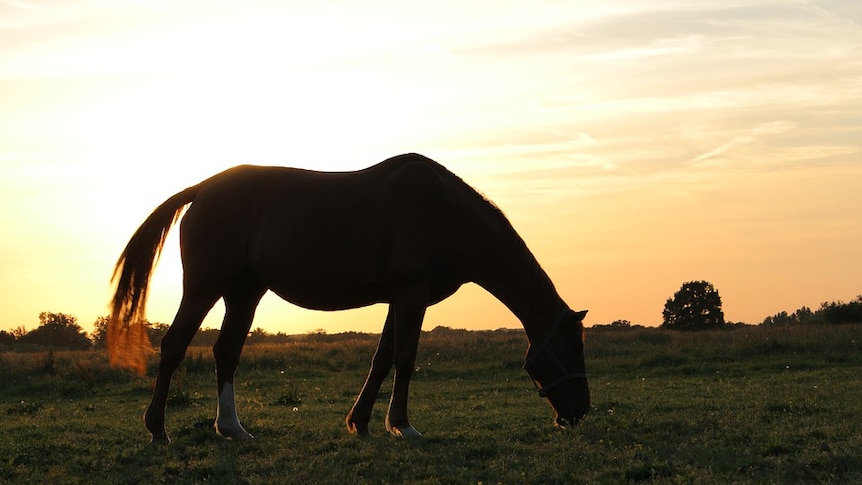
x: 748, y: 405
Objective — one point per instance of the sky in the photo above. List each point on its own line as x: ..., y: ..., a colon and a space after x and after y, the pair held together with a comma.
x: 634, y: 145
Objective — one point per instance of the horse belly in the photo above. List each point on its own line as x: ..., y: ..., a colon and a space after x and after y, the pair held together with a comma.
x: 322, y: 276
x: 331, y: 298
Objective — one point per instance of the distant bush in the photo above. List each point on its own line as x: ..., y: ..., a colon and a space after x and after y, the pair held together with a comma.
x: 617, y: 325
x: 839, y: 312
x: 57, y: 330
x: 6, y: 338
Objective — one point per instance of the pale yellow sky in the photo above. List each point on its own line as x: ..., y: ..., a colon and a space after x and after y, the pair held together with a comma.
x: 634, y: 145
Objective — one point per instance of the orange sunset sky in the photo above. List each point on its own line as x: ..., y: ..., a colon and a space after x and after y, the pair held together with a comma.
x: 634, y: 145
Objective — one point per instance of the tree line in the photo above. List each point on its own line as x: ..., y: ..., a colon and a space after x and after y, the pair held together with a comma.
x: 829, y: 312
x: 62, y: 331
x: 696, y: 306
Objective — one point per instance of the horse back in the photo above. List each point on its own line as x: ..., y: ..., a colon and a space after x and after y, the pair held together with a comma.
x: 311, y: 236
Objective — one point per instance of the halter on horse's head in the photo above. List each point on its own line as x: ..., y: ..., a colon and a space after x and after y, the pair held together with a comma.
x: 558, y: 370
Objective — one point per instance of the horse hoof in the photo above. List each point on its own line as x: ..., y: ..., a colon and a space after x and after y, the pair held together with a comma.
x: 162, y: 440
x: 239, y: 435
x: 406, y: 431
x: 360, y: 429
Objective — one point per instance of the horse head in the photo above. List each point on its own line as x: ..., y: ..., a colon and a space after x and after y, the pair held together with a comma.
x: 558, y: 370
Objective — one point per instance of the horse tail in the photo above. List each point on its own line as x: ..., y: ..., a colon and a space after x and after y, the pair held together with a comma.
x: 128, y: 341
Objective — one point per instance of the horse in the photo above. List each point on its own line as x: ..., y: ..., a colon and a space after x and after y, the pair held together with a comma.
x: 406, y: 231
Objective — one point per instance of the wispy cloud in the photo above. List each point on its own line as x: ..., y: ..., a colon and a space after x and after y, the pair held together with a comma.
x: 750, y: 136
x: 670, y: 46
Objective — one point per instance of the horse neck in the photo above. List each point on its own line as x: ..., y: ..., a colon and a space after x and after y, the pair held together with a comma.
x: 516, y: 279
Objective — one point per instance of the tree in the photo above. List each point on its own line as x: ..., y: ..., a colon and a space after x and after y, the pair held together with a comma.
x: 156, y: 332
x: 58, y: 330
x: 100, y: 332
x: 257, y: 336
x: 779, y: 319
x: 839, y: 312
x: 803, y: 315
x: 696, y: 306
x: 835, y: 312
x: 6, y: 338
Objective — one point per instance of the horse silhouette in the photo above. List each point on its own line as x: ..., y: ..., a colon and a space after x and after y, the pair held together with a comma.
x: 407, y: 232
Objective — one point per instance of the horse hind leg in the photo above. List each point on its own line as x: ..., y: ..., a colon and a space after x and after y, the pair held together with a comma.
x: 173, y: 350
x: 240, y: 306
x: 360, y: 415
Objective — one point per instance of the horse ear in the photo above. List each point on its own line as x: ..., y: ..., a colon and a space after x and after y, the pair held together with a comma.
x: 580, y: 318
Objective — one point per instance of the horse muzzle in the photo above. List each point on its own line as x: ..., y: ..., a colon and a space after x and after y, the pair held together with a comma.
x: 569, y: 423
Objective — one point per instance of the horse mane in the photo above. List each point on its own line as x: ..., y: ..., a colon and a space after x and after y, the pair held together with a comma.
x: 474, y: 194
x: 518, y: 256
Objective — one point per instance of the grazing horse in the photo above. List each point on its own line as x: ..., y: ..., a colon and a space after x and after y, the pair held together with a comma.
x: 406, y: 232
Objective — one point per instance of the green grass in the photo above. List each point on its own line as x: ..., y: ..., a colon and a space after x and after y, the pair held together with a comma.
x: 749, y: 405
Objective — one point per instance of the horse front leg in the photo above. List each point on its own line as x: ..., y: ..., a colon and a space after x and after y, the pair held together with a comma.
x: 360, y: 415
x: 239, y: 313
x: 408, y: 325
